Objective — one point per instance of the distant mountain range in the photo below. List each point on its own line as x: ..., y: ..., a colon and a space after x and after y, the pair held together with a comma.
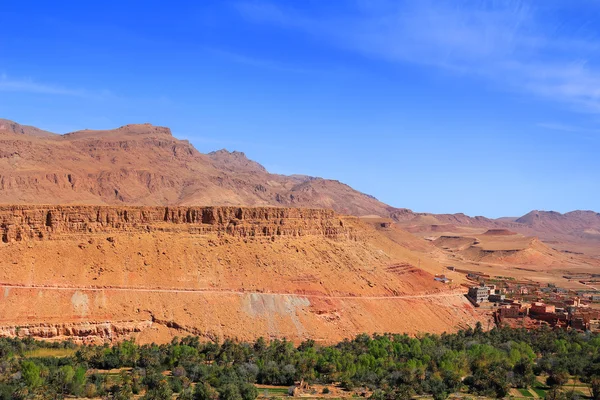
x: 145, y: 165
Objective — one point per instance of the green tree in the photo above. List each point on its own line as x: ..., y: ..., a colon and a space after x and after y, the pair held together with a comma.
x: 31, y: 374
x: 378, y: 395
x: 555, y: 394
x: 203, y: 391
x: 436, y: 386
x: 186, y: 394
x: 230, y: 391
x: 523, y: 373
x: 79, y: 380
x: 162, y: 391
x: 557, y: 378
x: 123, y: 392
x: 65, y: 376
x: 248, y: 391
x: 595, y: 386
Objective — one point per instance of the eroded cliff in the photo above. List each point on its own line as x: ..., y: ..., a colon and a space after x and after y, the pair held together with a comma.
x: 96, y: 273
x: 19, y: 223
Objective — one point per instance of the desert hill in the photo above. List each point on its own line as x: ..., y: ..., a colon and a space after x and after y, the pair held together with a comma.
x: 576, y: 231
x: 13, y: 127
x: 146, y: 165
x: 94, y: 273
x: 499, y: 232
x: 585, y: 224
x: 503, y: 250
x: 504, y: 253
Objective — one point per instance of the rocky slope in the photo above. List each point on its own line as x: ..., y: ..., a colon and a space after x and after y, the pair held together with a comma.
x: 94, y: 273
x: 502, y: 250
x: 576, y: 231
x: 146, y: 165
x: 584, y: 224
x: 13, y: 127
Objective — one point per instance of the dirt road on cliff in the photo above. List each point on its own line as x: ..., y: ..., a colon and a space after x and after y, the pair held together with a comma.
x: 225, y: 292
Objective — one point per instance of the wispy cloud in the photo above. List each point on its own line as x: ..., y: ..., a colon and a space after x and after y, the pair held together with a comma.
x: 558, y: 127
x: 261, y: 62
x: 521, y: 45
x: 579, y: 131
x: 28, y: 85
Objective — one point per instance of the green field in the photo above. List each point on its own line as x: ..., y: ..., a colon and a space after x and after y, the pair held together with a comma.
x: 525, y: 393
x: 273, y: 391
x: 48, y: 352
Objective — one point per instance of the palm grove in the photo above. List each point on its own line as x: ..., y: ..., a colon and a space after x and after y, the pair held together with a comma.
x: 387, y: 366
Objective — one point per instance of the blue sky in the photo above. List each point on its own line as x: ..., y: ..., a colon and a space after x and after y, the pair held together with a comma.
x: 483, y: 107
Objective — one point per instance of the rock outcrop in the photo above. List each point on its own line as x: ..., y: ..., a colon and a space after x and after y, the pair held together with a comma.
x: 80, y: 271
x: 18, y: 223
x: 79, y: 332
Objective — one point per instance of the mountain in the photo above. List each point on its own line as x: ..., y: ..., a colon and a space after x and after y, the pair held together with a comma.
x: 13, y: 127
x: 152, y: 273
x: 572, y: 232
x: 151, y: 239
x: 576, y: 223
x: 142, y: 164
x: 575, y: 231
x: 145, y: 165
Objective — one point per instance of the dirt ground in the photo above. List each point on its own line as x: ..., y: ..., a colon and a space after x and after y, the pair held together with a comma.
x: 515, y: 256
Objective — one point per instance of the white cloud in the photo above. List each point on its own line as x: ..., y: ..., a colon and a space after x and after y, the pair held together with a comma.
x: 28, y: 85
x: 521, y: 45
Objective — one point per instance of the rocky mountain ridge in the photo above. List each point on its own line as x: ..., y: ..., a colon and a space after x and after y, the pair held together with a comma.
x: 146, y: 165
x: 142, y: 164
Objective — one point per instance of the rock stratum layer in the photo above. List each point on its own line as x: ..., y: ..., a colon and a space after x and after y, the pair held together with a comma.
x: 39, y: 222
x: 146, y: 165
x: 96, y: 273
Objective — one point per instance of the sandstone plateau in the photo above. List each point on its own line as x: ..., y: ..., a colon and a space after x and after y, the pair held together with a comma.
x: 94, y: 273
x: 145, y: 165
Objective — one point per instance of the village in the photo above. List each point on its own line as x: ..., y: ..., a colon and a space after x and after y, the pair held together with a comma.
x: 531, y: 304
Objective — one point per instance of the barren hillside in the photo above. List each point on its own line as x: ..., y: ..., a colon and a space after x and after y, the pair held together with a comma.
x: 146, y: 165
x: 576, y: 231
x: 96, y: 272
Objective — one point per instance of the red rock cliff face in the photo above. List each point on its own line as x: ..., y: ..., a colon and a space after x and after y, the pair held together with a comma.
x: 107, y: 273
x: 18, y: 223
